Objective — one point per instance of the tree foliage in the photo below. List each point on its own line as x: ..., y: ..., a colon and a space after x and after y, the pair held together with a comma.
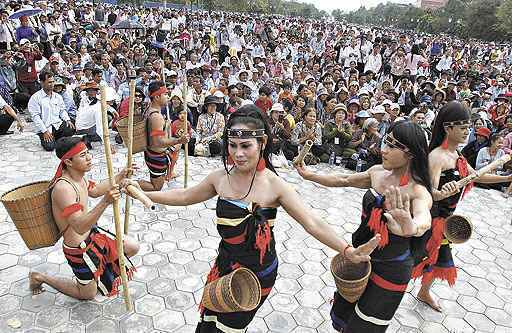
x: 481, y: 19
x: 282, y: 7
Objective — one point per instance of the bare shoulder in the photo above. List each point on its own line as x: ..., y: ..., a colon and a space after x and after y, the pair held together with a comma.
x: 63, y: 192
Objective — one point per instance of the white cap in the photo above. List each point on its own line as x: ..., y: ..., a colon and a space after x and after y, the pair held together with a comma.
x: 24, y: 41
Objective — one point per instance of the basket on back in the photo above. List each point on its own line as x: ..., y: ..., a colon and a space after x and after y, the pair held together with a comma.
x: 30, y: 209
x: 139, y: 132
x: 458, y: 229
x: 350, y: 278
x: 238, y: 291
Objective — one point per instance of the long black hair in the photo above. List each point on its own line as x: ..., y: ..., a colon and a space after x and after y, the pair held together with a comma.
x: 413, y: 137
x: 452, y: 111
x: 250, y: 116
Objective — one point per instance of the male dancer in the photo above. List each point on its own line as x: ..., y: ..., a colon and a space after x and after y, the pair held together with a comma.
x: 159, y: 153
x: 91, y: 254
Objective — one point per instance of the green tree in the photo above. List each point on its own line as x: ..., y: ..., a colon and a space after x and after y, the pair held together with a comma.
x: 504, y: 18
x: 479, y: 19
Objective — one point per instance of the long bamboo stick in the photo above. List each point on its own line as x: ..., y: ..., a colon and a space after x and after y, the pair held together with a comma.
x: 115, y: 204
x: 129, y: 160
x: 185, y: 128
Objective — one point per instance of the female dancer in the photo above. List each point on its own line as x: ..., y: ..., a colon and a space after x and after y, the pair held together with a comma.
x: 396, y: 205
x: 446, y: 167
x: 249, y: 193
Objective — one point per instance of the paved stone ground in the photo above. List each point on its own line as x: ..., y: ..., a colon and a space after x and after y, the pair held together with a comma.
x: 178, y: 245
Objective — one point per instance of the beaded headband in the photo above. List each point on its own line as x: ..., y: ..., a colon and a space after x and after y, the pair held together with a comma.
x: 245, y: 134
x: 394, y: 143
x: 457, y: 123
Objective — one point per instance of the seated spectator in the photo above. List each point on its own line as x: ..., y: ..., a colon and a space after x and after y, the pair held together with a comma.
x: 264, y: 102
x: 366, y: 142
x: 210, y: 126
x: 281, y: 131
x: 471, y: 150
x: 7, y: 117
x: 337, y: 133
x: 477, y: 124
x: 310, y: 129
x: 59, y: 87
x: 49, y: 113
x: 488, y: 155
x: 89, y: 118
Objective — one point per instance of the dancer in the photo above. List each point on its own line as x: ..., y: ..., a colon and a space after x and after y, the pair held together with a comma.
x: 249, y: 193
x: 446, y: 167
x: 160, y: 154
x: 91, y: 254
x: 396, y: 205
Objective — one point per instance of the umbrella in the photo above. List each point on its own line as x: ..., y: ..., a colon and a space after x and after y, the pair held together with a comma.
x: 26, y: 11
x: 128, y: 25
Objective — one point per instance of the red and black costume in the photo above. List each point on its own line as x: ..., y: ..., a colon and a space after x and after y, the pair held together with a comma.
x: 392, y: 264
x: 247, y: 241
x: 438, y: 262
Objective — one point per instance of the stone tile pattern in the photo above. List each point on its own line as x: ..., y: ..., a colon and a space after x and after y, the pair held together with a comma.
x: 178, y: 245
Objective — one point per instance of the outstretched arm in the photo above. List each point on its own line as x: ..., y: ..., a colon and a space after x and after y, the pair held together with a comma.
x: 182, y: 197
x: 359, y: 180
x: 293, y: 205
x: 489, y: 178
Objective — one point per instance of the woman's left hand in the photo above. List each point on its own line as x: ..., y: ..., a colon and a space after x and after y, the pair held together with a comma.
x: 398, y: 214
x: 362, y: 252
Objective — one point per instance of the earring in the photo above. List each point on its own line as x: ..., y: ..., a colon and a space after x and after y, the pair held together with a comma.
x: 261, y: 165
x: 404, y: 180
x: 444, y: 145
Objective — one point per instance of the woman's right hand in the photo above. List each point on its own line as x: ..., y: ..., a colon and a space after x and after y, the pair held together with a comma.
x: 303, y: 172
x: 449, y: 189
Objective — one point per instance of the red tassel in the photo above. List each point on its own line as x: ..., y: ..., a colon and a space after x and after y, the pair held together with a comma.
x: 448, y: 274
x: 404, y: 180
x: 213, y: 275
x: 230, y: 161
x: 462, y: 167
x: 378, y: 226
x: 434, y: 243
x: 262, y: 240
x: 444, y: 145
x: 261, y: 165
x: 418, y: 270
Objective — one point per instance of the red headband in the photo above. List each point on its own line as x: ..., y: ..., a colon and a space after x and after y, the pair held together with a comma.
x: 161, y: 91
x: 70, y: 154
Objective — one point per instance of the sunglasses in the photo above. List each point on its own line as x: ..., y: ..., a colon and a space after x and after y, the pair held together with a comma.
x: 138, y: 96
x: 393, y: 143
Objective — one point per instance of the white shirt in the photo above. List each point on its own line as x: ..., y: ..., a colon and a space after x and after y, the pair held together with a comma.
x: 47, y: 111
x: 89, y: 116
x: 374, y: 63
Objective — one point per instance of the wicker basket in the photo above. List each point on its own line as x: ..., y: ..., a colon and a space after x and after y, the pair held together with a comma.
x: 139, y: 132
x: 238, y: 291
x: 350, y: 278
x: 30, y: 209
x: 458, y: 229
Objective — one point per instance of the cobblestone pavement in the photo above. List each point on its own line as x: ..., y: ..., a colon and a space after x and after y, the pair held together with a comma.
x: 178, y: 245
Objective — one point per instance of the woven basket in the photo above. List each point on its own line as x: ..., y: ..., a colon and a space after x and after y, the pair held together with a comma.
x: 30, y: 209
x: 350, y: 278
x: 139, y: 132
x: 458, y: 229
x: 238, y: 291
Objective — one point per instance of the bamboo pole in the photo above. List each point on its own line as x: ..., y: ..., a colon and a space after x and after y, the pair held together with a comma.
x: 129, y: 160
x: 185, y: 128
x: 115, y: 204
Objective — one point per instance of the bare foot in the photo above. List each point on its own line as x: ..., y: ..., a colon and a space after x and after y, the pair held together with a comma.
x: 35, y: 282
x: 429, y: 300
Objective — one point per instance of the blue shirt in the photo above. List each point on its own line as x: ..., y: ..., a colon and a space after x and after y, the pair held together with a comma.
x: 25, y: 32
